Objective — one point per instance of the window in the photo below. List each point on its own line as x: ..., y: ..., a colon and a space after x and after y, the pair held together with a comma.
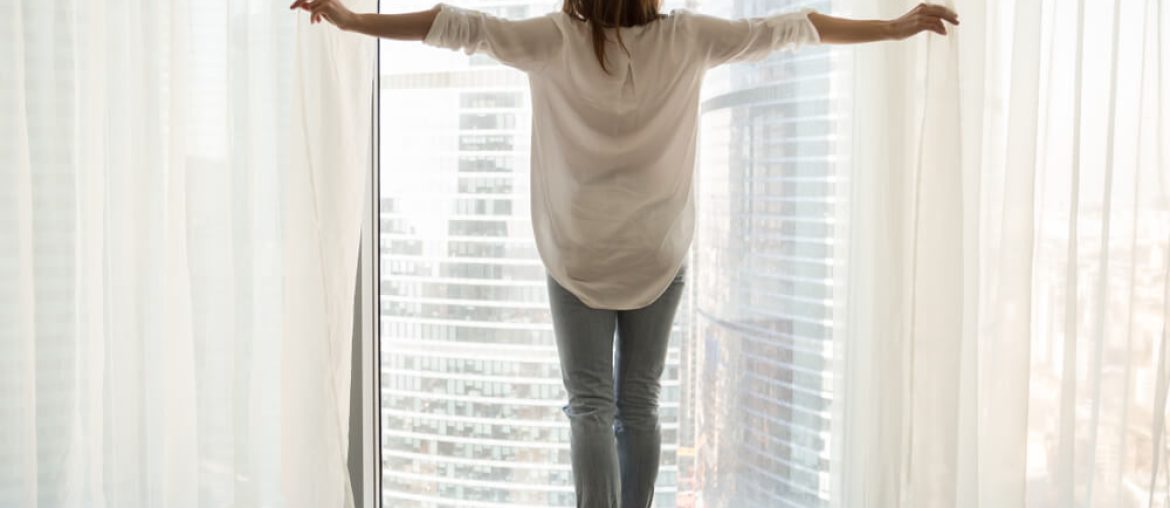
x: 471, y: 386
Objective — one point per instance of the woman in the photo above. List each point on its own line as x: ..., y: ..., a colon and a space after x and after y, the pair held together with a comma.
x: 615, y: 101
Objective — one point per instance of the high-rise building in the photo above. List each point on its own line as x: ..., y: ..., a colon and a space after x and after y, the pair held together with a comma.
x: 757, y: 405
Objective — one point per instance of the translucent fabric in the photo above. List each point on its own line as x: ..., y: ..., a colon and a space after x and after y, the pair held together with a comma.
x: 180, y: 206
x: 1006, y: 338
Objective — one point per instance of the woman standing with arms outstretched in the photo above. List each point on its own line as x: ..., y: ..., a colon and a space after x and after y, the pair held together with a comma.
x: 615, y: 104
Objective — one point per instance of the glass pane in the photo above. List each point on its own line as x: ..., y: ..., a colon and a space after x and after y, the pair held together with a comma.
x: 471, y: 387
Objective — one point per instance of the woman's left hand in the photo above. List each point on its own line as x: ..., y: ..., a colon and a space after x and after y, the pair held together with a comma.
x: 332, y: 11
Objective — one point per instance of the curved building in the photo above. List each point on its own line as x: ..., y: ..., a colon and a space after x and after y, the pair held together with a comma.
x: 758, y: 378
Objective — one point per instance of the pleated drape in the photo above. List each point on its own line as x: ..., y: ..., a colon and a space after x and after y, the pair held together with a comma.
x: 1008, y: 254
x: 178, y: 243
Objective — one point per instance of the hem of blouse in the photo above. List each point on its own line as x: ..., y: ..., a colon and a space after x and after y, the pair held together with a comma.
x: 589, y: 302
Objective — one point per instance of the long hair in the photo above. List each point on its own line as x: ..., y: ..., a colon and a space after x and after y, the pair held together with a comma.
x: 602, y: 14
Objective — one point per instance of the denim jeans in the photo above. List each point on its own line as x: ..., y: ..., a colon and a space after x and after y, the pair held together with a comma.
x: 613, y: 393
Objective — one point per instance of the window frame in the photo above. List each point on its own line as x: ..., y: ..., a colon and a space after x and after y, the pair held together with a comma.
x: 366, y: 418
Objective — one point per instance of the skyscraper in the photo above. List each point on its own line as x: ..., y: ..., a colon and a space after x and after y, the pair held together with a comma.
x: 759, y: 396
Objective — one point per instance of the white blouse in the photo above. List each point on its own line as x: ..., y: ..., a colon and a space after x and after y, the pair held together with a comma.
x: 613, y: 154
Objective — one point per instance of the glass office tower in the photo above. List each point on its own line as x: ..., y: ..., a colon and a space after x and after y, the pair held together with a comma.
x: 758, y: 393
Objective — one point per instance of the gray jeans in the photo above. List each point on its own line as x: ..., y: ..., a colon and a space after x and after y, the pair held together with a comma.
x: 613, y: 393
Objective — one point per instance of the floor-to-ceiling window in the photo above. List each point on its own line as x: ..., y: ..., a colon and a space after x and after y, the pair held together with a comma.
x: 471, y: 387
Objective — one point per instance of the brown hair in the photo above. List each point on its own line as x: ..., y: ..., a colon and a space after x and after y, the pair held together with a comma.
x: 602, y: 14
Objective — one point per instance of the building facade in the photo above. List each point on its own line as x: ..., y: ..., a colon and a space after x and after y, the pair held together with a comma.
x: 757, y: 406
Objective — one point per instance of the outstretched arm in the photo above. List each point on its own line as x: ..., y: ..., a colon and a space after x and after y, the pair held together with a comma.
x: 411, y: 26
x: 851, y: 31
x: 526, y: 44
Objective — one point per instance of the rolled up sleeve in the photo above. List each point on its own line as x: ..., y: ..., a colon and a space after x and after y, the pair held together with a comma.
x: 749, y: 39
x: 526, y: 44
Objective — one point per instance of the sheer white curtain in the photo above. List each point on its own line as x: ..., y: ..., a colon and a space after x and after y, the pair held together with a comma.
x: 178, y: 243
x: 1006, y: 334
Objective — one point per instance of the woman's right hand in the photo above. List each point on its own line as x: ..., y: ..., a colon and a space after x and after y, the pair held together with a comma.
x: 332, y: 11
x: 921, y: 18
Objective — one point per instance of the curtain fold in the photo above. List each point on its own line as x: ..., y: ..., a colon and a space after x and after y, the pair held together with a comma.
x: 1009, y: 229
x: 176, y: 300
x: 325, y: 195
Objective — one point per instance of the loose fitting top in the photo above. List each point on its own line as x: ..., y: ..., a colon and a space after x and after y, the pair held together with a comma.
x: 613, y: 154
